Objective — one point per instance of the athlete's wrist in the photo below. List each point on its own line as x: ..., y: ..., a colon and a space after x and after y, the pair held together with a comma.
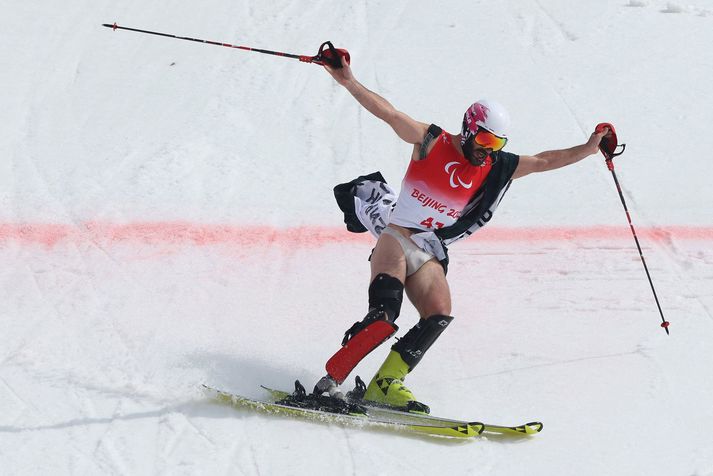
x: 353, y: 86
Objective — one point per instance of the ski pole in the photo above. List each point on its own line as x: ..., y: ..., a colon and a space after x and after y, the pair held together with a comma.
x: 608, y: 147
x: 331, y: 55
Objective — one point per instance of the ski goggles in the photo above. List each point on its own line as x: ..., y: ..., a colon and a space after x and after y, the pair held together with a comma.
x: 488, y: 140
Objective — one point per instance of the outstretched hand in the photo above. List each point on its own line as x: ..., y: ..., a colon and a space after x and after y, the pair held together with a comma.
x: 341, y: 75
x: 595, y: 139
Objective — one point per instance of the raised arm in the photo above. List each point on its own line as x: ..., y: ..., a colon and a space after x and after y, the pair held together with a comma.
x: 554, y: 159
x: 406, y: 128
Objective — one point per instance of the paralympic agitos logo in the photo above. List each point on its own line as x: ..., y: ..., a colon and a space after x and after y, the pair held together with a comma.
x: 452, y: 169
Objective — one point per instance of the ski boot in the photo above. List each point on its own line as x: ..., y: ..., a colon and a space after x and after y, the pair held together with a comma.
x: 387, y: 387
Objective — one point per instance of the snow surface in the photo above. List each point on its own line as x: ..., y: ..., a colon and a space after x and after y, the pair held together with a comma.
x: 167, y: 221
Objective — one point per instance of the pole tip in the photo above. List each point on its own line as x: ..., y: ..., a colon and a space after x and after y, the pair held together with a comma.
x: 665, y: 325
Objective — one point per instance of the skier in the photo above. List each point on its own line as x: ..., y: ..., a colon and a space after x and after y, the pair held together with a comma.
x: 451, y: 188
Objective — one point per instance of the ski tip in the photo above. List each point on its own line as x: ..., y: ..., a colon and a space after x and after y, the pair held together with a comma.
x: 533, y: 427
x: 208, y: 390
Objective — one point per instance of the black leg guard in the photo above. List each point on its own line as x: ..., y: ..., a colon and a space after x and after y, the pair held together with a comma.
x: 386, y: 293
x: 420, y: 338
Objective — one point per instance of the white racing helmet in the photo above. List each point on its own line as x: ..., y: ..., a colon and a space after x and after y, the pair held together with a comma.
x: 485, y: 114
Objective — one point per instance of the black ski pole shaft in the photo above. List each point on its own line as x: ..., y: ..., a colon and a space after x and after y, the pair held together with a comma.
x: 610, y: 166
x: 303, y: 58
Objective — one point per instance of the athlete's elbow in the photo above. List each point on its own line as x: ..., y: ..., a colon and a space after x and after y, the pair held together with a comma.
x: 390, y: 116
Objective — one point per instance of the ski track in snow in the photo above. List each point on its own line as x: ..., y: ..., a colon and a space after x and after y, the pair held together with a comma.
x: 147, y: 245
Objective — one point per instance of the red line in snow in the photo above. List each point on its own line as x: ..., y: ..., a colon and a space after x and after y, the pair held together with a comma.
x: 197, y: 234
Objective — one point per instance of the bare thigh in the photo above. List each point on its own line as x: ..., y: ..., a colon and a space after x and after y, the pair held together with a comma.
x: 428, y: 290
x: 388, y: 257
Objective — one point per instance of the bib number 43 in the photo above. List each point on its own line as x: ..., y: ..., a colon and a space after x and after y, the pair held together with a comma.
x: 428, y: 223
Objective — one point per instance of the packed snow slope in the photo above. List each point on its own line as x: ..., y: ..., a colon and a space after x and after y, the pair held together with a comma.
x: 166, y: 220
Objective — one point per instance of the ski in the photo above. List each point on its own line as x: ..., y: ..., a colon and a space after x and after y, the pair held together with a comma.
x: 381, y: 411
x: 362, y: 414
x: 454, y: 429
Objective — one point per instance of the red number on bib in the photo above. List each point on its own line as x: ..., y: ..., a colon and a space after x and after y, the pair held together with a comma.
x: 428, y: 223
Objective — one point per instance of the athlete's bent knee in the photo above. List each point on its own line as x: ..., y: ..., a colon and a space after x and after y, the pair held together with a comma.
x: 439, y: 308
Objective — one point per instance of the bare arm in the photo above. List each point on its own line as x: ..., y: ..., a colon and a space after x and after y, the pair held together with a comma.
x: 554, y: 159
x: 406, y: 128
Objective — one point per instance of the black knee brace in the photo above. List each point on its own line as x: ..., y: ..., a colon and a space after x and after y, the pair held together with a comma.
x: 419, y: 339
x: 386, y: 293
